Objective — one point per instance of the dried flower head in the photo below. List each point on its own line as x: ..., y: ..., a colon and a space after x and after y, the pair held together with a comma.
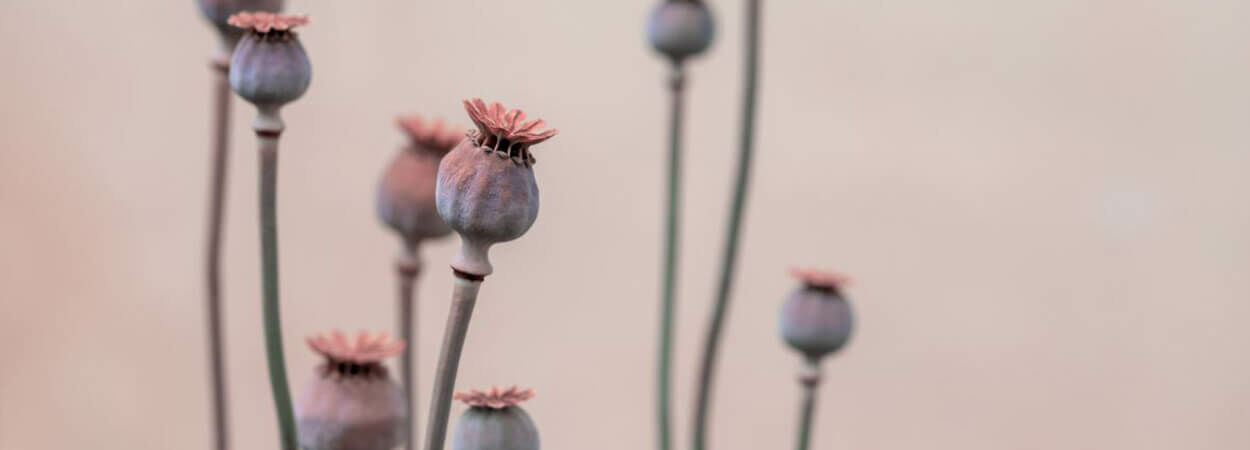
x: 364, y: 349
x: 264, y: 22
x: 505, y: 131
x: 818, y: 278
x: 495, y: 398
x: 435, y: 135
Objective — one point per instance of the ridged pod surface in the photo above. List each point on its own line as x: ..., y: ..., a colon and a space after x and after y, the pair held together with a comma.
x: 269, y: 67
x: 494, y: 421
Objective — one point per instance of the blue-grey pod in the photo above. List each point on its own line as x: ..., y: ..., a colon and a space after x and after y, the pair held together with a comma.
x: 405, y: 199
x: 815, y: 319
x: 269, y: 67
x: 495, y: 422
x: 681, y: 28
x: 351, y: 402
x: 218, y: 12
x: 486, y: 190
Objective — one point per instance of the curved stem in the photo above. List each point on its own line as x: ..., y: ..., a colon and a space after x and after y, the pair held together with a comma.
x: 809, y: 380
x: 729, y: 258
x: 407, y: 267
x: 664, y: 371
x: 462, y: 300
x: 212, y: 250
x: 268, y: 136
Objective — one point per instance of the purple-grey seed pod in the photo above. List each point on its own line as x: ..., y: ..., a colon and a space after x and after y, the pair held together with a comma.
x: 269, y: 67
x: 218, y: 12
x: 351, y: 402
x: 681, y: 28
x: 405, y: 200
x: 816, y: 320
x: 486, y: 190
x: 495, y: 422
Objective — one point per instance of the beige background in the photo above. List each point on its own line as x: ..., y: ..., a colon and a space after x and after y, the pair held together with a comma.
x: 1043, y: 204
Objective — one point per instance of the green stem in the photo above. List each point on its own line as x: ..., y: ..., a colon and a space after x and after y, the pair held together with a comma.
x: 212, y: 250
x: 809, y: 380
x: 712, y: 340
x: 462, y: 300
x: 268, y: 127
x: 664, y: 373
x: 407, y: 268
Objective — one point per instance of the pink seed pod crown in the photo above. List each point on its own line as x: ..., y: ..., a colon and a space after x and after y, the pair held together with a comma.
x: 432, y: 135
x: 495, y: 398
x: 505, y: 132
x: 365, y: 348
x: 351, y: 402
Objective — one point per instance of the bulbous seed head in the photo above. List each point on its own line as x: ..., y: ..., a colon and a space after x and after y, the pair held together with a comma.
x: 269, y: 67
x: 405, y: 200
x: 218, y: 12
x: 681, y: 28
x: 486, y: 190
x: 351, y: 402
x: 815, y: 319
x: 494, y: 421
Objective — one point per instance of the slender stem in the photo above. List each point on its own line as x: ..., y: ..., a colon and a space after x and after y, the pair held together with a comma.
x: 268, y: 133
x: 729, y: 258
x: 664, y: 373
x: 462, y: 300
x: 407, y: 267
x: 212, y: 249
x: 809, y: 379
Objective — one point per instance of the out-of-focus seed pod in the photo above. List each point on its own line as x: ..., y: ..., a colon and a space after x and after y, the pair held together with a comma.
x: 495, y: 422
x: 269, y: 67
x: 680, y: 28
x: 815, y: 319
x: 405, y: 200
x: 486, y: 190
x: 351, y: 401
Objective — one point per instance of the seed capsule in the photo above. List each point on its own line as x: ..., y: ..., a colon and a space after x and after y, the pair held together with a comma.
x: 269, y: 67
x: 816, y: 320
x: 351, y: 402
x: 405, y: 200
x: 486, y: 190
x: 681, y: 28
x: 495, y: 422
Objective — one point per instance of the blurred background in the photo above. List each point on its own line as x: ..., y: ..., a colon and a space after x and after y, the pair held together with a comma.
x: 1043, y: 206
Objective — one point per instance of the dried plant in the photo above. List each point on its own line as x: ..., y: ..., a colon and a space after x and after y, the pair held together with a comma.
x: 270, y: 69
x: 405, y: 203
x: 677, y: 29
x: 351, y: 402
x: 487, y: 194
x: 816, y: 321
x: 495, y: 421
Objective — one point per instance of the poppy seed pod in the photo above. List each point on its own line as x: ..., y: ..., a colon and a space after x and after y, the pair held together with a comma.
x: 405, y: 199
x: 680, y: 28
x: 218, y: 13
x: 815, y: 319
x: 269, y: 67
x: 351, y: 402
x: 486, y: 189
x: 494, y: 421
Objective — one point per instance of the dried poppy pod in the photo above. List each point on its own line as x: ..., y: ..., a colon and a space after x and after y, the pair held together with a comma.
x: 816, y: 320
x: 351, y: 402
x: 494, y: 421
x: 405, y: 201
x: 218, y: 13
x: 486, y: 189
x: 680, y: 28
x: 269, y: 67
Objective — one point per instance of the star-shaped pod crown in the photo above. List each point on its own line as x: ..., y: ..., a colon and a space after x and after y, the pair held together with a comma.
x: 820, y: 279
x: 495, y: 398
x: 364, y: 349
x: 434, y: 135
x: 264, y: 22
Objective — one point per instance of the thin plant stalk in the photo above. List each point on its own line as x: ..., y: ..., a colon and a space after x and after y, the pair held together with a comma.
x: 809, y: 380
x: 407, y: 268
x: 212, y: 248
x: 667, y: 294
x: 729, y: 259
x: 463, y: 297
x: 268, y: 127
